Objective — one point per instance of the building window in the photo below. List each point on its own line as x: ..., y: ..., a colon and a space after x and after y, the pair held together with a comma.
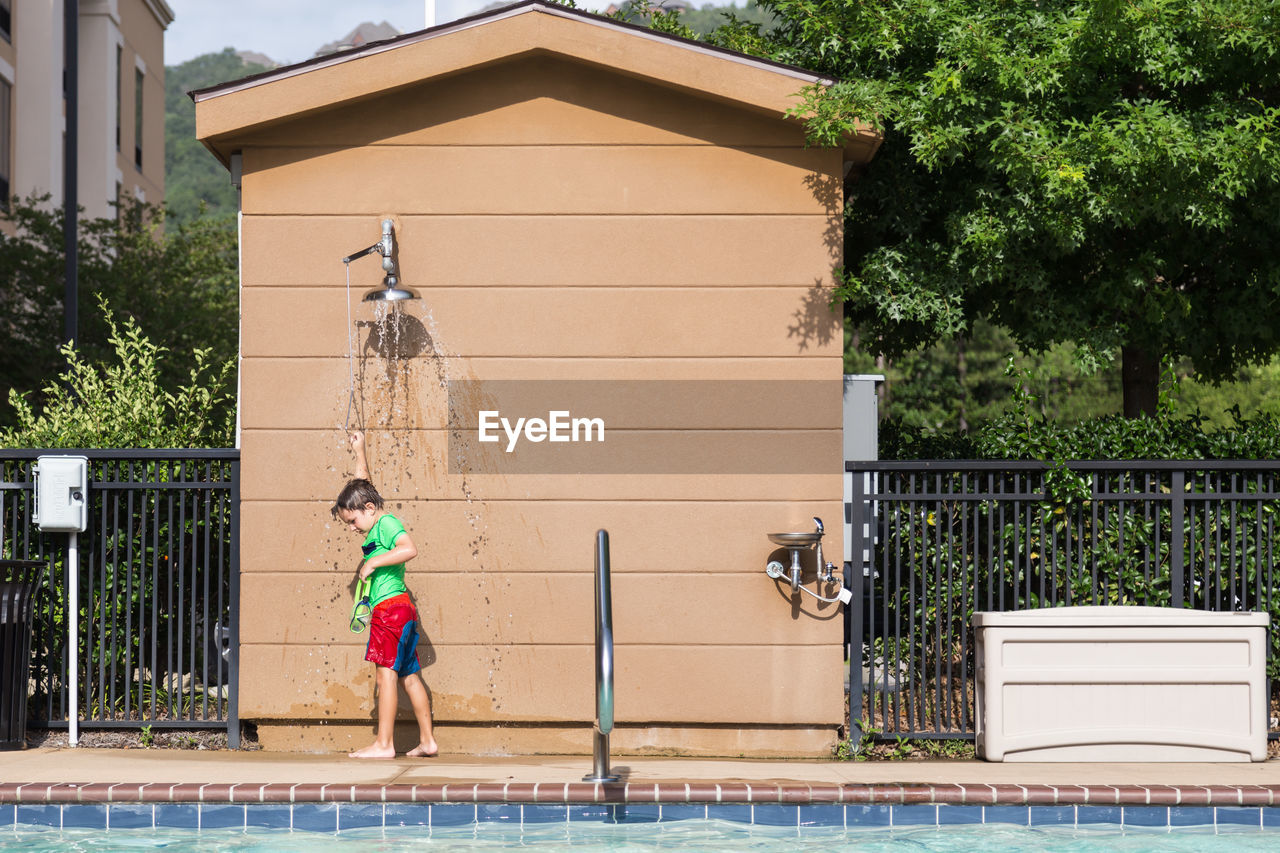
x: 6, y: 147
x: 119, y: 94
x: 6, y: 19
x: 137, y: 120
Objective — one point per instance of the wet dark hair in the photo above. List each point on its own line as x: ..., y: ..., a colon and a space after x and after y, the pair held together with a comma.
x: 354, y: 495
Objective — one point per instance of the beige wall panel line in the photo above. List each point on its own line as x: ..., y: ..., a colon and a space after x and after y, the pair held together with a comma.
x: 517, y: 537
x: 746, y: 684
x: 486, y: 608
x: 311, y: 465
x: 525, y: 251
x: 542, y: 180
x: 541, y: 100
x: 284, y: 322
x: 305, y: 393
x: 300, y: 393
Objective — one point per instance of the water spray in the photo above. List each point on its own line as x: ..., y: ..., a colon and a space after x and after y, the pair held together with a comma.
x: 390, y: 292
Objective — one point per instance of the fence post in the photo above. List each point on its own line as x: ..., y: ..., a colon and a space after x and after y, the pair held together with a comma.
x: 857, y: 567
x: 233, y: 616
x: 1177, y: 545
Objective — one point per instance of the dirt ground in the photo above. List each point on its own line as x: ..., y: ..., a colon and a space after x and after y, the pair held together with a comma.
x: 142, y: 739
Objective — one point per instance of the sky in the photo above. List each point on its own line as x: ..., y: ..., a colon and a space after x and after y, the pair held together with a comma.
x: 290, y: 31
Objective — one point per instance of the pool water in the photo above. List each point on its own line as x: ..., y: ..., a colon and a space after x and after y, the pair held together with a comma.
x: 690, y: 836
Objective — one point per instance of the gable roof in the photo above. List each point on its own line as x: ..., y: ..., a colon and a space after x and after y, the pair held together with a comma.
x: 226, y: 111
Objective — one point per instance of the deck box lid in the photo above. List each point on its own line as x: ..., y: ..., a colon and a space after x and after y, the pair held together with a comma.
x: 1118, y: 616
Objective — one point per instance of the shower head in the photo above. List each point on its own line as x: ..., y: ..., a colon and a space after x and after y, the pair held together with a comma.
x: 391, y: 291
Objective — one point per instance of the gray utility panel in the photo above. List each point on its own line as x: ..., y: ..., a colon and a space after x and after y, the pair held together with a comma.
x: 861, y: 436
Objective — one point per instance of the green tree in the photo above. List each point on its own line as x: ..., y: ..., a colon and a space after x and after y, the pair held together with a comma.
x: 196, y: 184
x: 180, y: 283
x: 120, y: 401
x: 1103, y: 173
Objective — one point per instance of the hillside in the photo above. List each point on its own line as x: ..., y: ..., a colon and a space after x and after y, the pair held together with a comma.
x: 192, y: 175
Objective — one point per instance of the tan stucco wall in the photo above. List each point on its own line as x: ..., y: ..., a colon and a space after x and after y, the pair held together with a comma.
x: 560, y: 222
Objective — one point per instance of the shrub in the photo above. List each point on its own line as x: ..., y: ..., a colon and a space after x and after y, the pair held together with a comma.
x: 122, y: 403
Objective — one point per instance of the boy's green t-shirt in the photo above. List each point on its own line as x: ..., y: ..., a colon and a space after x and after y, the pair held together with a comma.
x: 386, y: 581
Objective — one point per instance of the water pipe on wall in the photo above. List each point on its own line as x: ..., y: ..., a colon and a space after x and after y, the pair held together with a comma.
x: 391, y: 291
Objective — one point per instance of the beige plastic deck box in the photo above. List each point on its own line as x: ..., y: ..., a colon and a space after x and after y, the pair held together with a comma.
x: 1121, y: 684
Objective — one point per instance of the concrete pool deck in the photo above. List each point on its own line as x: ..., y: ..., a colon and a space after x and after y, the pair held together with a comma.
x: 65, y: 775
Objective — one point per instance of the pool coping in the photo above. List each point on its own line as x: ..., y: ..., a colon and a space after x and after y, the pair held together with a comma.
x: 641, y: 793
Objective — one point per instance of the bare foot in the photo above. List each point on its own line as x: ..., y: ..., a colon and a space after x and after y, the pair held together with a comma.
x: 426, y: 749
x: 373, y: 751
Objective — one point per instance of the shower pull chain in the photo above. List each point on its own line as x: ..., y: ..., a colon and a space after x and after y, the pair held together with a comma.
x: 351, y: 371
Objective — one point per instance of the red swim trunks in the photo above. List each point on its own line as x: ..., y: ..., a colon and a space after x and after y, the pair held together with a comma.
x: 393, y: 635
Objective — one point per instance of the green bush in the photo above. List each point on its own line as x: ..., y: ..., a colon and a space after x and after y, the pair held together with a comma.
x: 122, y: 403
x: 1024, y: 434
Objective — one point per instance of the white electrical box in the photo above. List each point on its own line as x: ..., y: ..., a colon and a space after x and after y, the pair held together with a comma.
x: 62, y: 483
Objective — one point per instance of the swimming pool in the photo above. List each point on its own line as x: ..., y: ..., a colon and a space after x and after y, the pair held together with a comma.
x: 688, y: 836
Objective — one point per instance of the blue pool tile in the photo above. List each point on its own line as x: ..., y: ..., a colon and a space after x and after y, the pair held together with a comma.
x: 41, y: 815
x: 823, y: 814
x: 1191, y: 816
x: 452, y: 814
x: 401, y: 814
x: 315, y: 817
x: 1017, y: 815
x: 221, y: 816
x: 1053, y: 815
x: 592, y: 812
x: 1146, y: 815
x: 358, y: 815
x: 8, y: 815
x: 776, y: 814
x: 1240, y: 815
x: 637, y: 813
x: 269, y: 817
x: 1271, y: 817
x: 736, y: 813
x: 857, y: 816
x: 129, y: 816
x: 1098, y: 814
x: 686, y: 811
x: 85, y: 817
x: 952, y: 815
x: 178, y: 815
x: 915, y: 815
x: 545, y: 813
x: 498, y: 813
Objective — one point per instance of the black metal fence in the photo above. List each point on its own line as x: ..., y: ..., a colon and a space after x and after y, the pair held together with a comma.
x: 158, y: 590
x: 943, y: 539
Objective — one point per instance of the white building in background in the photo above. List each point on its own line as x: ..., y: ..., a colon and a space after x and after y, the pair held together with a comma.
x: 121, y: 100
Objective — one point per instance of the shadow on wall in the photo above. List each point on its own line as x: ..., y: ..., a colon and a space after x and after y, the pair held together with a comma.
x: 396, y: 337
x: 816, y: 321
x: 828, y: 191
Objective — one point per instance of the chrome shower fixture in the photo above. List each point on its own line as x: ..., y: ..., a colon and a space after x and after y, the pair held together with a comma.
x: 391, y: 291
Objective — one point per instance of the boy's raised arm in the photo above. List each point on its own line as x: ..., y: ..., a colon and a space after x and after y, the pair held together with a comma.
x: 356, y: 438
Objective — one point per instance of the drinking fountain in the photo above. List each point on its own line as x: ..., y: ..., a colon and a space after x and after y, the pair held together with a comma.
x: 795, y: 543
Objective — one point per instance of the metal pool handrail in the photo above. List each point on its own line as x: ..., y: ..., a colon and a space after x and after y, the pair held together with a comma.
x: 604, y: 665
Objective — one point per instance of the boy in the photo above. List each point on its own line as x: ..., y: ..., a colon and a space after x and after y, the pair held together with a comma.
x: 393, y: 626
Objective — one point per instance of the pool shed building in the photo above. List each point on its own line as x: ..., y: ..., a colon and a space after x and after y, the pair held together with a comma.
x: 573, y: 199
